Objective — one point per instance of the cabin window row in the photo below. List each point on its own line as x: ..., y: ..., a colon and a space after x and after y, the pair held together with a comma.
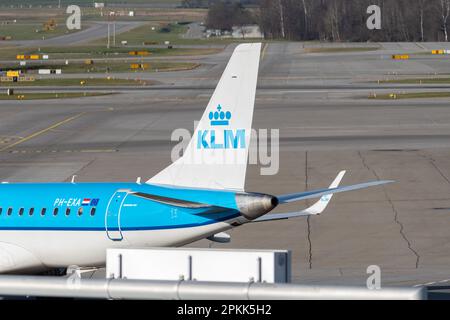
x: 9, y: 211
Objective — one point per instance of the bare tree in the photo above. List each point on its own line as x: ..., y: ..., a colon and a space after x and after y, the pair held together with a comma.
x: 305, y: 16
x: 421, y: 13
x: 224, y: 15
x: 333, y: 19
x: 269, y: 18
x: 283, y: 34
x: 445, y: 12
x: 345, y: 20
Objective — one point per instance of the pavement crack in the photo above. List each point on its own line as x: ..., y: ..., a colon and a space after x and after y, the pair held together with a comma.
x: 308, y: 219
x: 402, y: 233
x: 138, y: 132
x: 363, y: 160
x: 309, y: 242
x: 75, y: 174
x: 435, y: 166
x: 395, y: 211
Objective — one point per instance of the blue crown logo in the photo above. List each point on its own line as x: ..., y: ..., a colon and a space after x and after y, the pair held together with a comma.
x: 219, y: 117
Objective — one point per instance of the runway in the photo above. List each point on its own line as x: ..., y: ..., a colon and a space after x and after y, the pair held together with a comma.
x: 326, y: 125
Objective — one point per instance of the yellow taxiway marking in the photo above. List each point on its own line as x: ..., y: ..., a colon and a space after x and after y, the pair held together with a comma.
x: 34, y: 135
x: 265, y: 45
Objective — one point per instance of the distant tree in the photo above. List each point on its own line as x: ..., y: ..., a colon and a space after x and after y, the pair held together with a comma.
x: 332, y: 18
x: 194, y: 3
x: 225, y: 15
x: 445, y: 13
x: 219, y: 16
x: 242, y: 18
x: 306, y: 7
x: 269, y: 19
x: 422, y: 4
x: 345, y: 20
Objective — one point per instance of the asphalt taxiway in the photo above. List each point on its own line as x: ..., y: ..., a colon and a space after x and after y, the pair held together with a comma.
x: 319, y: 103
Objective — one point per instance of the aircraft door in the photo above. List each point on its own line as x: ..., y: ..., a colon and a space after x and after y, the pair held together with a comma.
x: 112, y: 217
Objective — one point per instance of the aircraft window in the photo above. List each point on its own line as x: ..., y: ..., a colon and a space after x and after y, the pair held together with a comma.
x: 92, y: 211
x: 67, y: 211
x: 80, y: 211
x: 10, y: 210
x: 31, y: 211
x: 20, y: 211
x: 43, y: 211
x: 1, y: 210
x: 55, y: 211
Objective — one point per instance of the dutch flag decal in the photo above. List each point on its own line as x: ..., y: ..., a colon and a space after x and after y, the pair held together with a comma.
x: 86, y: 202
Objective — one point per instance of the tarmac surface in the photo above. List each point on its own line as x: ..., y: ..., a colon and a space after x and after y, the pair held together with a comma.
x: 319, y: 103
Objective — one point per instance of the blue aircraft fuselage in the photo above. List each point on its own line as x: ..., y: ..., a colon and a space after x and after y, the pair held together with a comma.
x: 109, y: 206
x: 47, y: 225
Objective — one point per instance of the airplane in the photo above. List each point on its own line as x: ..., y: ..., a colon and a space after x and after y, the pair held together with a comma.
x: 45, y: 226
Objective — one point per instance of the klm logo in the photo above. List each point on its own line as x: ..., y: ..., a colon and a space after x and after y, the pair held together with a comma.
x: 220, y: 138
x: 219, y: 117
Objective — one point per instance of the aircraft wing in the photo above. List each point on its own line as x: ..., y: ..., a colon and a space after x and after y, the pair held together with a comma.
x: 319, y: 206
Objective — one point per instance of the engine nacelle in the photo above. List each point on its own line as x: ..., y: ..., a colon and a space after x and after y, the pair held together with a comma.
x: 254, y: 205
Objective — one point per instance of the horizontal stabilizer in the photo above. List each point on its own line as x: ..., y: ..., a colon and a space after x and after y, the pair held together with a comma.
x: 316, y: 208
x: 287, y: 198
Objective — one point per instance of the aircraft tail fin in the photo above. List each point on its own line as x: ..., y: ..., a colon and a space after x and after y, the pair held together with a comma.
x: 216, y: 157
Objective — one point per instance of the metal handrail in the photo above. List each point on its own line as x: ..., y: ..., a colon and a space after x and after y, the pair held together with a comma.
x: 45, y: 286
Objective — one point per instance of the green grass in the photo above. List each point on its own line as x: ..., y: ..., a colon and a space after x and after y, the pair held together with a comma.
x: 78, y: 81
x: 65, y: 3
x: 31, y: 31
x: 103, y: 67
x: 418, y: 81
x: 337, y: 50
x: 172, y: 32
x: 162, y: 32
x: 411, y: 95
x: 48, y: 95
x: 89, y: 13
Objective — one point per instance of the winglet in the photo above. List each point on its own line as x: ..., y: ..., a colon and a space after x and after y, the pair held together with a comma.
x: 322, y: 203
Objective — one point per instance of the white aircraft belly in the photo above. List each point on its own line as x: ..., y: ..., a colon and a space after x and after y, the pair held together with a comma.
x: 39, y: 250
x: 174, y: 237
x: 14, y: 258
x: 63, y: 248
